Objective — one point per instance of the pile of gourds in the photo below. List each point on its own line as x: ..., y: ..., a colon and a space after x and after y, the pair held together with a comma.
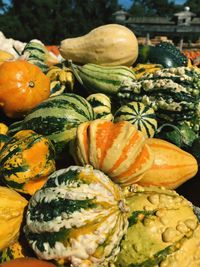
x: 88, y: 163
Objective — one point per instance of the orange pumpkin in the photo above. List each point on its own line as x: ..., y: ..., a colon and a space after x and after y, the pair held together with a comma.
x: 117, y: 149
x: 172, y: 166
x: 27, y: 262
x: 22, y: 87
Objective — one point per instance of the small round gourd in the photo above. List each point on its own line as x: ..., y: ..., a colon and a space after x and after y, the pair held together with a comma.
x: 22, y: 87
x: 118, y: 149
x: 26, y: 160
x: 79, y: 216
x: 101, y: 104
x: 140, y: 115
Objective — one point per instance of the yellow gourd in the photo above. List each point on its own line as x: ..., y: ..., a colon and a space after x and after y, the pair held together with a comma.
x: 5, y: 56
x: 172, y: 166
x: 110, y: 45
x: 12, y: 206
x: 3, y: 131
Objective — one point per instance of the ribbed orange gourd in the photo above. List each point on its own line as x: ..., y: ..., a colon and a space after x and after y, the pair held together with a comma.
x: 172, y: 166
x: 117, y: 149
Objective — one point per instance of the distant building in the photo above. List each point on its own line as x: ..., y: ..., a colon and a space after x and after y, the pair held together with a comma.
x: 182, y: 24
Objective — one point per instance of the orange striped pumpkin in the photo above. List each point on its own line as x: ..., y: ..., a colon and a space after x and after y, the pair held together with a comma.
x: 172, y: 166
x: 117, y: 149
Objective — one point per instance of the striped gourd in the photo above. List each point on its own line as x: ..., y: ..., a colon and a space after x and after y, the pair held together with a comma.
x: 26, y: 160
x: 61, y: 78
x: 14, y: 251
x: 79, y: 216
x: 163, y: 230
x: 172, y: 165
x: 57, y: 118
x: 102, y: 79
x: 36, y: 53
x: 174, y: 93
x: 101, y: 104
x: 140, y: 115
x: 117, y: 149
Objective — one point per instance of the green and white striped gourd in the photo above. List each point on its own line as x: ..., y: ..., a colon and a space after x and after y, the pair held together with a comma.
x: 57, y: 118
x: 141, y: 116
x: 174, y: 93
x: 79, y: 216
x: 36, y: 53
x: 103, y: 79
x: 101, y: 104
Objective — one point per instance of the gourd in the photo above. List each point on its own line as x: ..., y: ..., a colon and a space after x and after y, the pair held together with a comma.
x: 57, y: 118
x: 174, y: 94
x: 26, y: 160
x: 110, y: 44
x: 3, y: 132
x: 142, y: 69
x: 27, y: 85
x: 117, y: 149
x: 79, y: 216
x: 141, y: 116
x: 103, y: 79
x: 5, y: 56
x: 172, y: 166
x: 164, y: 53
x: 62, y: 80
x: 101, y: 105
x: 14, y: 251
x: 163, y: 230
x: 27, y: 262
x: 12, y: 206
x: 36, y: 53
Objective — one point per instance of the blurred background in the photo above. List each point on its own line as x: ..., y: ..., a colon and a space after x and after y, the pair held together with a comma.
x: 53, y: 20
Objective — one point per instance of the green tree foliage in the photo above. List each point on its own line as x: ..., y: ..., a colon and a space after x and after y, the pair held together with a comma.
x: 194, y: 6
x: 162, y: 8
x: 53, y: 20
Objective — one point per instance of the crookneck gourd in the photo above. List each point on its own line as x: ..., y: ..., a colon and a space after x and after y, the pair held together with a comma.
x: 117, y: 149
x: 174, y: 93
x: 79, y: 216
x: 163, y: 230
x: 57, y: 118
x: 26, y: 160
x: 12, y: 206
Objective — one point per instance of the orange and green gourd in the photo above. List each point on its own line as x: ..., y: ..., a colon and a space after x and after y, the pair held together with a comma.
x: 26, y: 160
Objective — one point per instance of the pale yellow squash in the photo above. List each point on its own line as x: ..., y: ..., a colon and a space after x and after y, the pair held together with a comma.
x: 110, y: 45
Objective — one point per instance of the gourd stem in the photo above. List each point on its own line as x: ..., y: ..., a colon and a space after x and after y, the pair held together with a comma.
x: 73, y: 67
x: 31, y: 84
x: 123, y: 207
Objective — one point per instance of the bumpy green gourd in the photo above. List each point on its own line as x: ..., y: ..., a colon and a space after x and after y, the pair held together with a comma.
x: 174, y: 93
x: 163, y: 230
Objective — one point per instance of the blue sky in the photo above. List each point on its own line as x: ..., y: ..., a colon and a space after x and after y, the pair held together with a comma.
x: 127, y: 3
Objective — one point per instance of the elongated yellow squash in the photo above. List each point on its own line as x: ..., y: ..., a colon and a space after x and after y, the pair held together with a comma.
x: 110, y: 44
x: 172, y: 166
